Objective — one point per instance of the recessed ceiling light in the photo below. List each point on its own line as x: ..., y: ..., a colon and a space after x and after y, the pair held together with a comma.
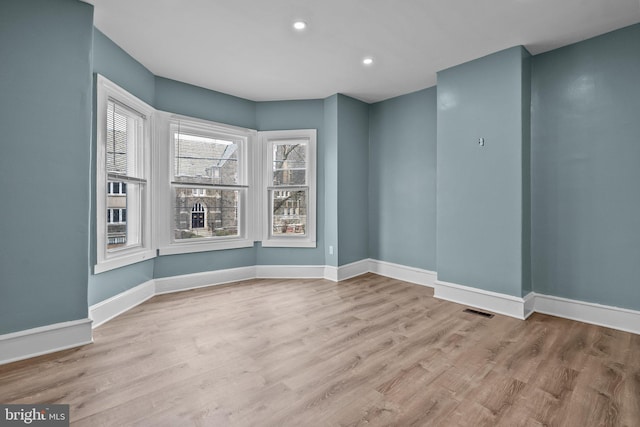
x: 299, y: 25
x: 367, y: 61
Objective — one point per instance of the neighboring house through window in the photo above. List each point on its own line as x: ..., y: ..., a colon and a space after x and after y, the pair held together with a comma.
x: 197, y: 216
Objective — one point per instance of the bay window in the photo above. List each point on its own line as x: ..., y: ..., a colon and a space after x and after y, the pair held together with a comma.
x: 170, y: 184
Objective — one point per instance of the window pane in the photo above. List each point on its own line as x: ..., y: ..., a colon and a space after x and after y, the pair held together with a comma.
x: 205, y: 213
x: 290, y: 163
x: 205, y: 160
x: 124, y: 217
x: 289, y: 213
x: 124, y: 140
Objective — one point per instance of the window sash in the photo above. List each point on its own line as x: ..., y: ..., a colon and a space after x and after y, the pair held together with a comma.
x: 237, y: 156
x: 130, y: 126
x: 294, y: 217
x: 282, y: 173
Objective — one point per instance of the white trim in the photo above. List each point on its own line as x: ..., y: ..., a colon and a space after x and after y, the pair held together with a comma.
x: 106, y: 310
x: 123, y: 261
x: 185, y: 282
x: 520, y: 308
x: 596, y: 314
x: 217, y: 128
x: 529, y: 304
x: 508, y: 305
x: 205, y: 246
x: 44, y: 339
x: 331, y: 273
x: 403, y: 272
x: 290, y: 271
x: 61, y: 336
x: 353, y: 269
x: 288, y: 242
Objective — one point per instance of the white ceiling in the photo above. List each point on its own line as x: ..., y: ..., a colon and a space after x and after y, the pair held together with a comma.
x: 249, y: 49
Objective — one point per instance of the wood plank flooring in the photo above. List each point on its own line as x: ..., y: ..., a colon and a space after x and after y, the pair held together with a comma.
x: 368, y: 351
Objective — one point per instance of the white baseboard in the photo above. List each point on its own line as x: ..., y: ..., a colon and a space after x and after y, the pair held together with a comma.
x: 43, y: 340
x: 509, y: 305
x: 118, y: 304
x: 402, y: 272
x: 331, y: 273
x: 347, y: 271
x: 290, y: 271
x: 61, y: 336
x: 353, y: 269
x: 185, y: 282
x: 602, y: 315
x: 520, y: 308
x: 529, y: 304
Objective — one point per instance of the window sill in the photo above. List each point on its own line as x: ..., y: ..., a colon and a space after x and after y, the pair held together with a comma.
x: 288, y: 243
x: 191, y: 247
x: 123, y: 261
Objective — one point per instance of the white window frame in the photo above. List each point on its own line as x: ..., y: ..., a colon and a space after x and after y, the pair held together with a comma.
x: 108, y: 260
x: 165, y: 194
x: 267, y: 139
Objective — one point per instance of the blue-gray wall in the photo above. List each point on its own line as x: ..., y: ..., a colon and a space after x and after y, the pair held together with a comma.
x: 176, y: 265
x: 45, y: 117
x: 480, y: 189
x: 586, y: 170
x: 331, y: 179
x: 118, y: 66
x: 353, y: 175
x: 193, y: 101
x: 110, y: 283
x: 286, y: 115
x: 402, y: 180
x: 346, y: 153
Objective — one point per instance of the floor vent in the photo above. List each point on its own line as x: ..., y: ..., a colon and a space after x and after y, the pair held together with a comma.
x: 479, y: 313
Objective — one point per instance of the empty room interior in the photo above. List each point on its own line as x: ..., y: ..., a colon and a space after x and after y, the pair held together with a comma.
x: 321, y: 213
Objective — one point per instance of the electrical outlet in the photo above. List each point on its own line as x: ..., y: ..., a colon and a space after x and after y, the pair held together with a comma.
x: 330, y: 250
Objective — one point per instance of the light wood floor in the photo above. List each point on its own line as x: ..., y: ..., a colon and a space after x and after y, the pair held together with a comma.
x: 367, y: 351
